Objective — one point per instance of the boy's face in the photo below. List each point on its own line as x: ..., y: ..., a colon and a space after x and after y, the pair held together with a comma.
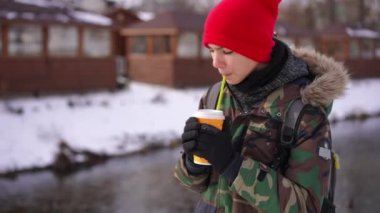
x: 232, y: 65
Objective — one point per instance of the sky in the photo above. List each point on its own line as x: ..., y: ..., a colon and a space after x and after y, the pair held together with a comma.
x: 119, y: 122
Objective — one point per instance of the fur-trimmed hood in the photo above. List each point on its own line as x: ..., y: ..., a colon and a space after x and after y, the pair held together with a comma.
x: 331, y: 77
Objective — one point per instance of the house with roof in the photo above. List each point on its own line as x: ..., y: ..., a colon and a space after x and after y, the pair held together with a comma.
x: 295, y: 36
x: 168, y: 50
x: 50, y: 47
x: 358, y: 48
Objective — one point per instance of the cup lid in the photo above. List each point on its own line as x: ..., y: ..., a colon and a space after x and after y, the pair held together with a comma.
x: 209, y: 114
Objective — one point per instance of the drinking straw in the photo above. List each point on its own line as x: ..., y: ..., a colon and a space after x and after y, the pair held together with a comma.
x: 220, y: 97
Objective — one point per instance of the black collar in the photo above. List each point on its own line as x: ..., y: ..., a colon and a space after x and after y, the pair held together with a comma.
x: 259, y: 78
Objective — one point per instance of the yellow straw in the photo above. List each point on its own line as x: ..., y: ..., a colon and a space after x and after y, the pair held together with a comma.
x: 220, y: 97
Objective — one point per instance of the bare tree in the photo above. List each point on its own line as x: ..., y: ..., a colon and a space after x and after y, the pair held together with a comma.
x: 308, y: 14
x: 312, y: 14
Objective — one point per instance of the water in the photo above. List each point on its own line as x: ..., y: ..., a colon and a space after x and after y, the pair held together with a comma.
x: 134, y: 184
x: 358, y: 146
x: 145, y: 183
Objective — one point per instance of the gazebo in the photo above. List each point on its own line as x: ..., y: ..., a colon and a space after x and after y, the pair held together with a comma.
x: 168, y: 50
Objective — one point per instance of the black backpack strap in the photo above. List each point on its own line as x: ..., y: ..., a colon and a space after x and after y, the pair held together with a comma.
x: 288, y: 134
x: 289, y: 128
x: 287, y: 142
x: 212, y: 96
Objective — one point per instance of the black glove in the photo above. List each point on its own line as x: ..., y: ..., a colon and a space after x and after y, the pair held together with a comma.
x: 189, y: 136
x: 189, y: 144
x: 208, y: 142
x: 215, y: 145
x: 212, y: 144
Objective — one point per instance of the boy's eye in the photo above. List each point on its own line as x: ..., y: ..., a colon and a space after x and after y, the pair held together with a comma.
x: 227, y: 52
x: 224, y: 51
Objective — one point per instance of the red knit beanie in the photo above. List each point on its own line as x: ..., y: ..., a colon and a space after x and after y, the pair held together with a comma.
x: 243, y: 26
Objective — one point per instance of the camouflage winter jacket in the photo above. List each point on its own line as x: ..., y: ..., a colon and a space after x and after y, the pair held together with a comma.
x: 303, y: 185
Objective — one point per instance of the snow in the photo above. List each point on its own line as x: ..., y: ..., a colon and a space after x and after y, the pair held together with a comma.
x: 42, y: 3
x: 360, y: 97
x: 82, y: 16
x: 62, y: 18
x: 145, y: 16
x: 112, y: 123
x: 119, y: 122
x: 91, y: 18
x: 362, y: 33
x: 11, y: 15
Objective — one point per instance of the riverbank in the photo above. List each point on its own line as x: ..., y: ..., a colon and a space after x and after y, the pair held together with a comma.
x: 138, y: 183
x: 144, y: 182
x: 105, y: 124
x: 64, y: 166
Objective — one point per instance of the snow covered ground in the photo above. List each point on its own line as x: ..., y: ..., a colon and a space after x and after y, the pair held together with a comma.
x: 119, y: 122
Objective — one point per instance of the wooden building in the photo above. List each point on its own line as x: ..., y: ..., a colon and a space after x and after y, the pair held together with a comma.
x: 295, y: 36
x: 55, y: 49
x: 168, y: 50
x: 357, y: 48
x: 121, y: 18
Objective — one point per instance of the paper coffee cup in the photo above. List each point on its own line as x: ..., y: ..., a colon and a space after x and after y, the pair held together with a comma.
x: 213, y: 118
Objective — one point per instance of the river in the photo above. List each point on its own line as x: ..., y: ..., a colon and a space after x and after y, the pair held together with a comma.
x: 145, y: 183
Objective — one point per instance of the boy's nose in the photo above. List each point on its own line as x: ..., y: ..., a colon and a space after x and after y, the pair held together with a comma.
x: 218, y: 61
